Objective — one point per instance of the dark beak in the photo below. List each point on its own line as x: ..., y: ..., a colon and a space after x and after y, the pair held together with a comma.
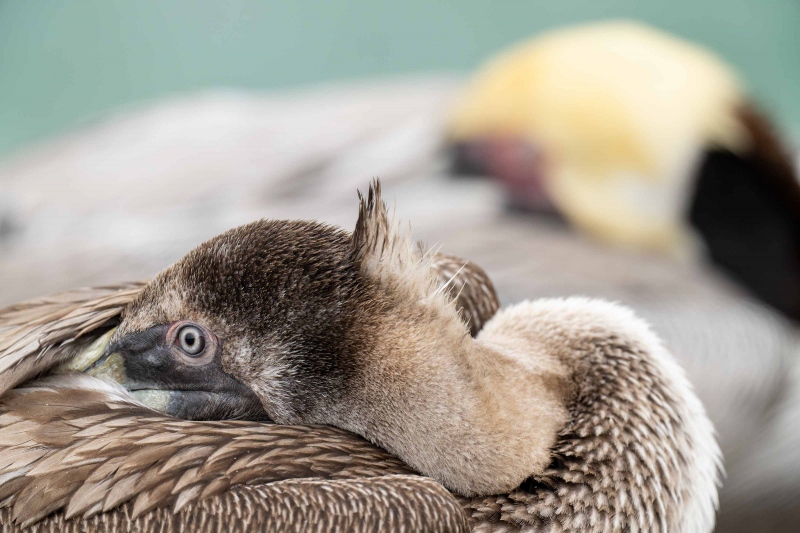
x: 143, y: 363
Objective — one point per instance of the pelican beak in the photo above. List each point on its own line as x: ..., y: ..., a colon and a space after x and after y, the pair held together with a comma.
x: 143, y: 363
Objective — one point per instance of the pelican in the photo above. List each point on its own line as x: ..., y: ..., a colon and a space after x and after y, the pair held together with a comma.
x: 362, y: 400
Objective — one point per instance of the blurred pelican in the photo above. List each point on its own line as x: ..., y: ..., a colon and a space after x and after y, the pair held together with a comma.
x: 642, y: 140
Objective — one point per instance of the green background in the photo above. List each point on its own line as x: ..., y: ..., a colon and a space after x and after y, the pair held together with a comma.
x: 65, y: 62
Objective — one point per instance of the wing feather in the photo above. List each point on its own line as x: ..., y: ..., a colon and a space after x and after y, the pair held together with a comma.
x: 66, y: 467
x: 40, y: 333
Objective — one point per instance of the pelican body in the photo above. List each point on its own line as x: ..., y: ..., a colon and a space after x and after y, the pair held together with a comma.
x: 566, y: 414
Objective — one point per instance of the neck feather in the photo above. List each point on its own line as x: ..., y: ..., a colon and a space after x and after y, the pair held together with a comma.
x: 479, y: 415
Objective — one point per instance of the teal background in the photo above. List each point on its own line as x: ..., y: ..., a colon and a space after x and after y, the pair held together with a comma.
x: 63, y: 62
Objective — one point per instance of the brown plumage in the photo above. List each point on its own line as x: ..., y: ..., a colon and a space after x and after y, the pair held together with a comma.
x: 472, y: 289
x: 634, y: 450
x: 96, y: 451
x: 41, y: 332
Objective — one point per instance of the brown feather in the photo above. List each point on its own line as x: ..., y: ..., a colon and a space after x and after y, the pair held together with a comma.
x: 625, y: 459
x: 154, y: 472
x: 38, y: 334
x: 386, y: 503
x: 470, y: 287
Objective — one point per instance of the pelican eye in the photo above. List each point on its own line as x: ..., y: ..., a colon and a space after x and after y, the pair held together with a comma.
x: 193, y: 344
x: 192, y: 340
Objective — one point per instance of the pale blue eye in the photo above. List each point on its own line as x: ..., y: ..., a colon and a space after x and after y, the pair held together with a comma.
x: 192, y: 340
